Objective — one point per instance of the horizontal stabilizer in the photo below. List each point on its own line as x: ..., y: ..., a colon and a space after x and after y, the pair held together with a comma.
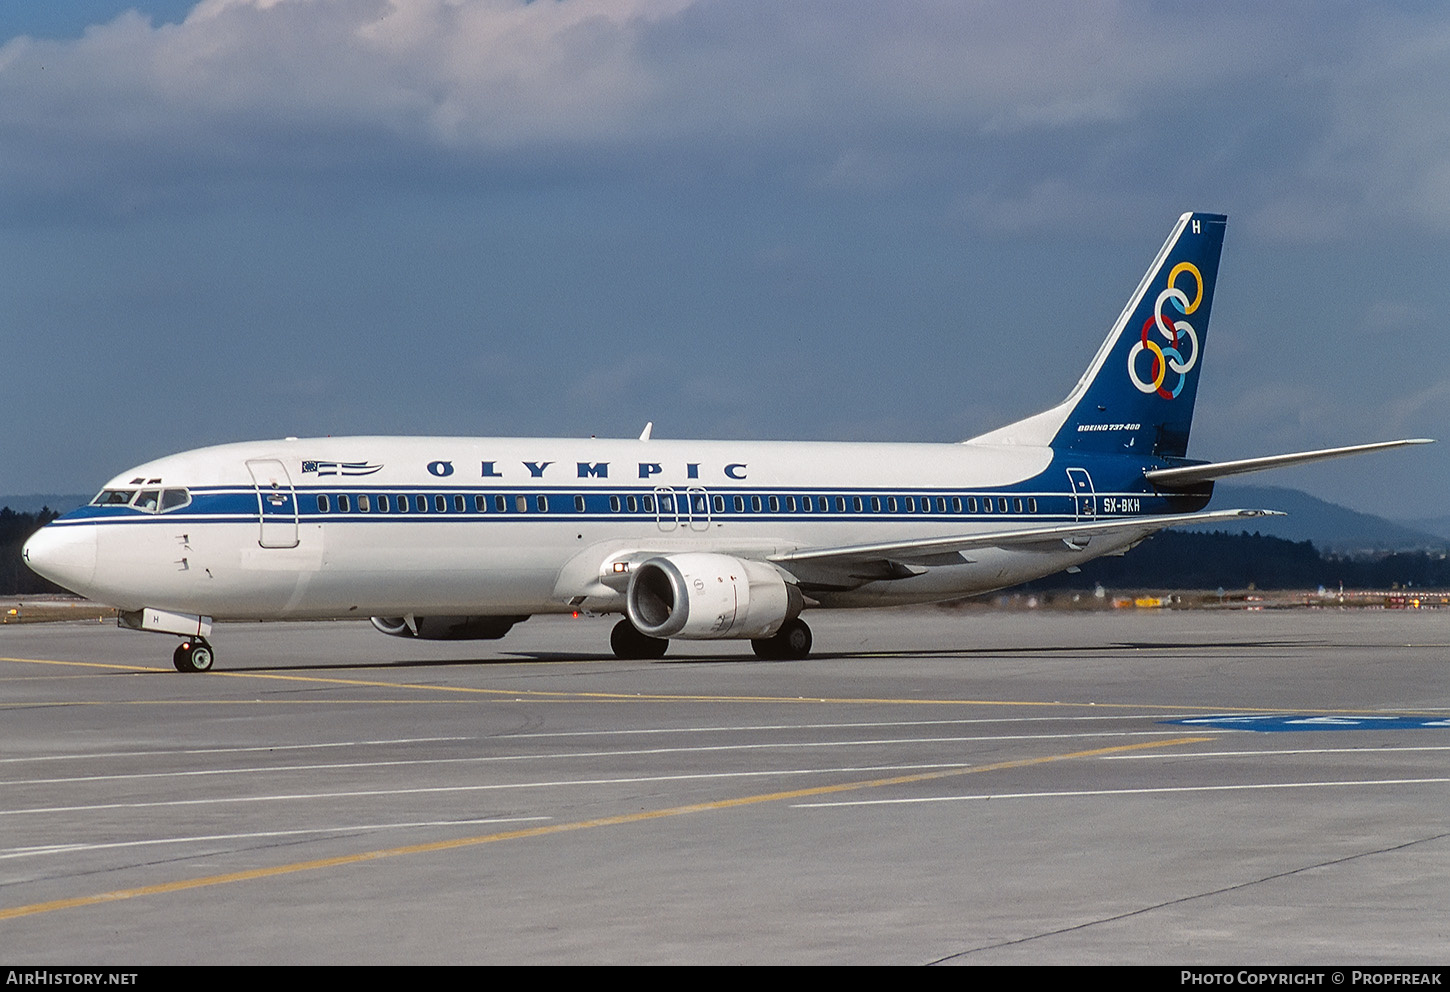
x: 1074, y: 534
x: 1187, y: 475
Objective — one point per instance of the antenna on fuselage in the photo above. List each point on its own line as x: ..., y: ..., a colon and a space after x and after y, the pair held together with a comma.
x: 644, y: 434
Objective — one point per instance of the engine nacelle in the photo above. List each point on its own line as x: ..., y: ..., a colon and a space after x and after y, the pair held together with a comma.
x: 702, y: 596
x: 447, y: 628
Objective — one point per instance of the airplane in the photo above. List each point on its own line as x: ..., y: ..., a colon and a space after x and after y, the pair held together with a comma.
x: 446, y: 538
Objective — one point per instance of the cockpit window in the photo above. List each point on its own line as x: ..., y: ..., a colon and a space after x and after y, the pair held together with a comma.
x: 113, y: 497
x: 146, y: 500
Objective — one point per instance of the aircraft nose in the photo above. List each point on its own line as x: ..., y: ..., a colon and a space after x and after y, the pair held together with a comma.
x: 64, y: 555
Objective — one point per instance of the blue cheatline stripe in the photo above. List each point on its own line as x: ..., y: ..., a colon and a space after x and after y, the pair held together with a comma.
x: 238, y: 504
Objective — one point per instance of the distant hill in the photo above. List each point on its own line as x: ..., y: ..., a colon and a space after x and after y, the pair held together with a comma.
x: 1439, y: 526
x: 14, y: 576
x: 1175, y: 560
x: 1330, y: 526
x: 60, y: 503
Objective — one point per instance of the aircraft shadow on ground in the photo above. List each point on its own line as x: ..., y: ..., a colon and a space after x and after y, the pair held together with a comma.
x: 555, y: 657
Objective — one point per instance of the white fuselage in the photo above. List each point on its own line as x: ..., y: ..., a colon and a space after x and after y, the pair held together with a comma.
x: 314, y: 528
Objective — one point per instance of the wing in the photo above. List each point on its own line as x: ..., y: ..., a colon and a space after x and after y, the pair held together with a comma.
x: 903, y: 559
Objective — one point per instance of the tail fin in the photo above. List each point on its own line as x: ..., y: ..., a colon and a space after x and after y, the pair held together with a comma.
x: 1137, y: 395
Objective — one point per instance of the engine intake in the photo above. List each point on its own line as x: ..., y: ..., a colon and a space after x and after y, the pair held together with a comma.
x: 469, y: 628
x: 703, y: 596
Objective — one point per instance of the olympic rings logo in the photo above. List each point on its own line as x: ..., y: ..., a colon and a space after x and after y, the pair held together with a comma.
x: 1177, y: 334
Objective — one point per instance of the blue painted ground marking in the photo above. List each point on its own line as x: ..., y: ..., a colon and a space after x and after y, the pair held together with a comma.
x: 1278, y: 723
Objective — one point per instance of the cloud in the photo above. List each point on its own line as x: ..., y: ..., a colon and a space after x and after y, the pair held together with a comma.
x: 1315, y: 126
x: 243, y: 88
x: 1421, y: 411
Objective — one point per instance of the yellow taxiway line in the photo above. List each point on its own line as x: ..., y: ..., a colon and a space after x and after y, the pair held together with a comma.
x: 35, y: 909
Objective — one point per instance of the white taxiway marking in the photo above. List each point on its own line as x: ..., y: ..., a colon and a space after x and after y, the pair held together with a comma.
x: 1131, y: 792
x: 102, y: 755
x: 30, y: 852
x: 634, y: 752
x: 849, y: 726
x: 361, y: 793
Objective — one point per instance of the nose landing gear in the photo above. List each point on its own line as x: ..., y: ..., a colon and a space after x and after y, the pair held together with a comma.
x: 193, y: 655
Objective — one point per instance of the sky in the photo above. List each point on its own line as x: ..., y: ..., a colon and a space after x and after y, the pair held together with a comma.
x: 240, y: 219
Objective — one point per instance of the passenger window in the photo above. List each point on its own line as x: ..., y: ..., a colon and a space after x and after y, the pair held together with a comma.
x: 775, y: 504
x: 891, y: 503
x: 579, y: 504
x: 808, y: 504
x: 421, y: 503
x: 403, y: 504
x: 719, y: 502
x: 1017, y: 504
x: 384, y: 504
x: 911, y: 504
x: 440, y: 503
x: 458, y: 504
x: 648, y: 502
x: 1002, y: 504
x: 364, y: 503
x: 632, y: 503
x: 500, y: 504
x: 790, y: 503
x: 755, y: 504
x: 971, y: 504
x: 739, y: 503
x: 521, y: 503
x: 875, y: 504
x: 956, y: 504
x: 541, y: 503
x: 344, y: 503
x: 1032, y: 504
x: 614, y: 504
x: 324, y: 505
x: 987, y: 504
x: 480, y: 503
x: 856, y: 503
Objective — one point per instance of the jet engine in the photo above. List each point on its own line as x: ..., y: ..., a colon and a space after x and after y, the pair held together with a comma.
x: 704, y: 596
x: 447, y: 628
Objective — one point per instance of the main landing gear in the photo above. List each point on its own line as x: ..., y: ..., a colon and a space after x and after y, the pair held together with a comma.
x: 792, y: 641
x: 193, y: 655
x: 628, y: 642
